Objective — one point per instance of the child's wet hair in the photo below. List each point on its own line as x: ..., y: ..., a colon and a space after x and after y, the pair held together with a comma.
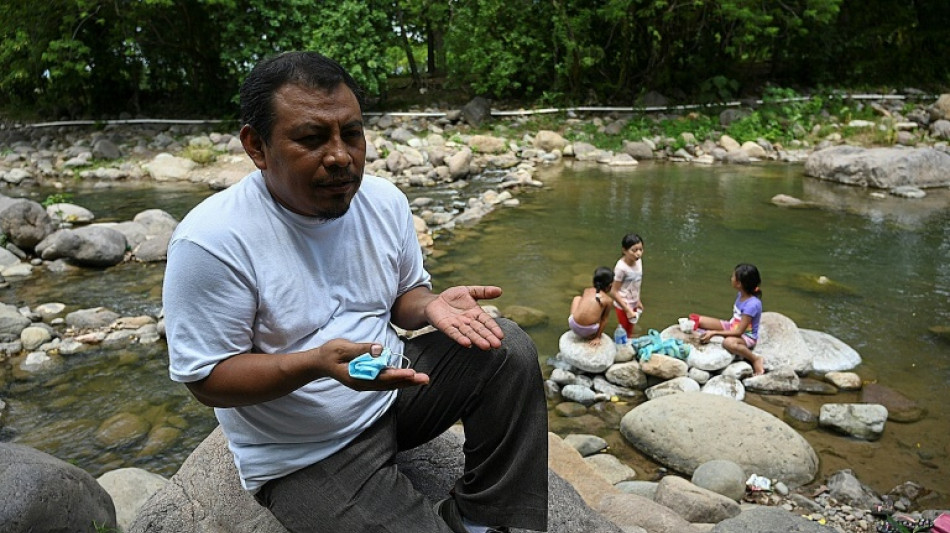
x: 603, y: 278
x: 748, y: 276
x: 629, y: 240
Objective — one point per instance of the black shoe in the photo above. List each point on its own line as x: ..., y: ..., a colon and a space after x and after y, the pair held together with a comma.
x: 451, y: 515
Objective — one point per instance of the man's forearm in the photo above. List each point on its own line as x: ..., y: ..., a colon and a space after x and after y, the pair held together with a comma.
x: 252, y: 378
x: 409, y: 311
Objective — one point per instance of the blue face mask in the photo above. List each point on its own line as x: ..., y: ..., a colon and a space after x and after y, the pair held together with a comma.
x: 368, y: 367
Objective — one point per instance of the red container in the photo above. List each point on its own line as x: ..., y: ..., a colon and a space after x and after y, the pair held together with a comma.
x: 941, y: 524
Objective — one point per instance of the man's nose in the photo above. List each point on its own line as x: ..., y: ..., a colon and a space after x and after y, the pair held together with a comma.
x: 337, y: 155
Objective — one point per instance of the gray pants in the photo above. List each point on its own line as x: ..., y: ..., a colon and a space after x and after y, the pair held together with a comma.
x: 498, y: 396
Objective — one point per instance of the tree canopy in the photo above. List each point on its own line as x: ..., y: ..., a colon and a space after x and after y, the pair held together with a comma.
x: 82, y: 58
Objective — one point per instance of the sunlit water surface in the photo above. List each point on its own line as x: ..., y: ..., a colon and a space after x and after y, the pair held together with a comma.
x: 887, y: 258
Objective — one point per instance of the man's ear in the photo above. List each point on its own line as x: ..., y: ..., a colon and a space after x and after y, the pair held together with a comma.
x: 253, y: 146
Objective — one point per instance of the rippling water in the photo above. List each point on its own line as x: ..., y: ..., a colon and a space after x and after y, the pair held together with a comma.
x: 887, y: 256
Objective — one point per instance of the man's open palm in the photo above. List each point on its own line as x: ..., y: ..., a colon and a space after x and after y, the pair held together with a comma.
x: 456, y: 313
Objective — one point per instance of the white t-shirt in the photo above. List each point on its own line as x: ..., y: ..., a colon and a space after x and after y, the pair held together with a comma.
x: 244, y: 274
x: 630, y: 278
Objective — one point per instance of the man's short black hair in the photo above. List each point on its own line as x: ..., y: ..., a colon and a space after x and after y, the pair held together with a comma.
x: 309, y: 69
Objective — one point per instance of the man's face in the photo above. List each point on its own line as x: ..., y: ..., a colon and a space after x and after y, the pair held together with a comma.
x: 313, y: 163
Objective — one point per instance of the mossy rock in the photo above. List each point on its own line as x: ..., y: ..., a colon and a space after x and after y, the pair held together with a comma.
x: 941, y: 331
x: 526, y: 317
x: 817, y: 284
x: 202, y: 156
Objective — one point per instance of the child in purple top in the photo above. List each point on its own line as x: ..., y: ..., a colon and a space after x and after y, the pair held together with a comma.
x: 741, y: 332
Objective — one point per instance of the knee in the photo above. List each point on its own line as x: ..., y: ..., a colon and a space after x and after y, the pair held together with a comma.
x: 518, y: 344
x: 731, y: 344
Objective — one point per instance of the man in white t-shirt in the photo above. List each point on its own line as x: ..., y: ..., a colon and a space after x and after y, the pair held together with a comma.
x: 273, y: 286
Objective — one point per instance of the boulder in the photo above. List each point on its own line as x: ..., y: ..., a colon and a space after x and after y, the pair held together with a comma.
x: 882, y: 168
x: 549, y: 141
x: 167, y: 167
x: 72, y: 213
x: 630, y: 511
x: 96, y: 246
x: 487, y: 144
x: 526, y: 317
x: 781, y: 344
x: 710, y: 357
x: 578, y: 353
x: 726, y: 386
x: 900, y: 408
x: 12, y: 323
x: 205, y: 495
x: 762, y: 519
x: 722, y: 477
x: 860, y: 420
x: 847, y: 489
x: 476, y: 111
x: 42, y: 494
x: 828, y: 353
x: 694, y: 503
x: 129, y: 489
x: 25, y: 223
x: 92, y: 318
x: 153, y: 250
x: 156, y: 222
x: 683, y: 431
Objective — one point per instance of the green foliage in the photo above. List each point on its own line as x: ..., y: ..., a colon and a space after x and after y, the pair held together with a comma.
x: 718, y: 89
x: 354, y: 34
x: 93, y: 58
x: 57, y: 198
x: 500, y: 48
x: 103, y: 528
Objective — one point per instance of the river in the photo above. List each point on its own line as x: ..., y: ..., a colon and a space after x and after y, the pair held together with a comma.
x: 888, y: 259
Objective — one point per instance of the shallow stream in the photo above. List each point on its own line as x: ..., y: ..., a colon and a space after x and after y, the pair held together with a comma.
x: 888, y: 259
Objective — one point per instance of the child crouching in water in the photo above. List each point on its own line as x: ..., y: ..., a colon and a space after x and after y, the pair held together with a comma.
x: 742, y: 331
x: 589, y: 311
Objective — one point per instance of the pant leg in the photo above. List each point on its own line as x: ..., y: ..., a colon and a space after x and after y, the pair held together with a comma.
x: 357, y: 489
x: 499, y: 396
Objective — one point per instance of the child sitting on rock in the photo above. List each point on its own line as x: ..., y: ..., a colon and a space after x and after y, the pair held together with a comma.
x: 589, y: 311
x: 741, y: 332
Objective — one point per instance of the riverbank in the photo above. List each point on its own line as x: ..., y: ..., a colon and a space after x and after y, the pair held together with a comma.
x: 460, y: 199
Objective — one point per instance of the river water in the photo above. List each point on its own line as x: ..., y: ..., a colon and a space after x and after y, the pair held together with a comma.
x: 887, y: 259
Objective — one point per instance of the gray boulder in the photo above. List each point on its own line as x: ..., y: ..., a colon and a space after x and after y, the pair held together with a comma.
x: 96, y: 246
x: 828, y: 353
x: 694, y: 503
x: 860, y: 420
x: 156, y: 222
x: 579, y: 354
x: 91, y: 318
x: 71, y: 213
x: 135, y: 233
x: 25, y: 223
x: 12, y: 323
x: 129, y: 489
x: 683, y: 431
x: 549, y: 141
x: 205, y: 496
x: 847, y: 489
x: 770, y: 520
x: 883, y: 168
x: 781, y: 344
x: 42, y: 494
x: 152, y: 250
x: 476, y: 111
x: 722, y: 477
